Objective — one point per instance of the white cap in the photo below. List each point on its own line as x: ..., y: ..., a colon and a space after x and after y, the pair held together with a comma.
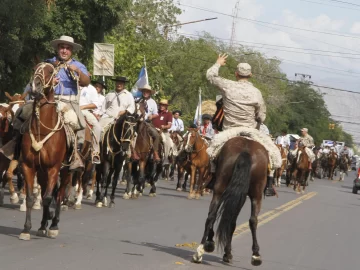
x: 244, y: 69
x: 305, y: 129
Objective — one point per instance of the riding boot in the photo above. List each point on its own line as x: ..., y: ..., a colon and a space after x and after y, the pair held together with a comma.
x: 76, y: 164
x: 269, y: 191
x: 156, y: 157
x: 134, y: 154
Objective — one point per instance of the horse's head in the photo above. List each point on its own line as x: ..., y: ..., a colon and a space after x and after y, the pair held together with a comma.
x: 192, y: 136
x: 141, y: 108
x: 127, y: 123
x: 43, y: 79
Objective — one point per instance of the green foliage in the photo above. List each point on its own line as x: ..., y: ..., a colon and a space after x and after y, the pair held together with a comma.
x: 176, y: 65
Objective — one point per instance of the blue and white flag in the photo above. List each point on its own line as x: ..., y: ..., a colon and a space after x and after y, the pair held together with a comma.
x: 141, y: 82
x: 197, y: 118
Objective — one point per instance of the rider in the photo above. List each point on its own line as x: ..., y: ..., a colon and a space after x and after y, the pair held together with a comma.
x: 283, y: 140
x: 151, y: 114
x: 89, y: 101
x: 243, y: 107
x: 177, y: 124
x: 100, y: 87
x: 308, y: 142
x: 65, y: 91
x: 163, y: 122
x: 116, y: 104
x: 206, y: 129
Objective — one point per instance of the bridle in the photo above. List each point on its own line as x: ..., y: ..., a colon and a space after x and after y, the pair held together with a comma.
x: 190, y: 147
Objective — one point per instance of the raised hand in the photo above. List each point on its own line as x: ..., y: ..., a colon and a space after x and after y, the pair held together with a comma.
x: 222, y: 59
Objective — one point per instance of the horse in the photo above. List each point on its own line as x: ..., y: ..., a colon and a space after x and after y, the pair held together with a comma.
x: 324, y: 163
x: 332, y: 162
x: 301, y: 169
x: 279, y: 171
x: 178, y: 144
x: 183, y: 164
x: 242, y: 169
x: 114, y: 150
x: 44, y: 149
x: 199, y: 160
x: 316, y: 166
x: 343, y: 167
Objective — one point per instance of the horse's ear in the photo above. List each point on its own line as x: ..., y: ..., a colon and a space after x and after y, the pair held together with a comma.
x: 8, y: 96
x: 23, y: 96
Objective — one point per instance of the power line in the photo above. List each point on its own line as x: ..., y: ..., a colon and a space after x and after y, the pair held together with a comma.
x: 276, y: 24
x: 324, y: 4
x: 343, y: 2
x: 259, y: 47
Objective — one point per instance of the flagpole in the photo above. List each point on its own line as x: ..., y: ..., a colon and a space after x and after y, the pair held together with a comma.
x: 146, y: 75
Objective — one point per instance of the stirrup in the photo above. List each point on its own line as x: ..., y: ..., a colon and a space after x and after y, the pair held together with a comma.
x: 95, y: 155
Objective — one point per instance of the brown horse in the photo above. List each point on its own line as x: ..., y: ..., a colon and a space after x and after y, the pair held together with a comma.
x: 183, y: 164
x: 44, y: 150
x: 332, y: 162
x: 199, y: 160
x: 178, y: 141
x: 279, y: 172
x: 301, y: 169
x: 242, y: 169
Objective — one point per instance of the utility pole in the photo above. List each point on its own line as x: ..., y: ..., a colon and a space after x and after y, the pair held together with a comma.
x: 233, y: 30
x: 167, y: 27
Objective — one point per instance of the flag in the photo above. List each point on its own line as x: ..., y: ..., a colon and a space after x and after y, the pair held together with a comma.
x: 141, y: 82
x: 197, y: 118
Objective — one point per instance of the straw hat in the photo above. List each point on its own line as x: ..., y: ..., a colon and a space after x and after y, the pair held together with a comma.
x: 65, y: 40
x: 164, y: 102
x: 147, y: 87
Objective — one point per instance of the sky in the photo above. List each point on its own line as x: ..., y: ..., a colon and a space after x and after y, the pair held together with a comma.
x: 338, y: 19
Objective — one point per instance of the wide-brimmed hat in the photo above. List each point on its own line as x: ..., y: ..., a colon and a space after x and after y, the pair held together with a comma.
x: 101, y: 82
x: 244, y: 69
x: 206, y: 116
x: 164, y: 102
x: 147, y: 87
x: 305, y: 129
x: 193, y: 126
x: 119, y: 79
x: 65, y: 40
x: 177, y: 111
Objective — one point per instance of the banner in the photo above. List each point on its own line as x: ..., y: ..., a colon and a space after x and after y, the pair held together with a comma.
x: 141, y: 82
x: 103, y: 59
x: 198, y: 113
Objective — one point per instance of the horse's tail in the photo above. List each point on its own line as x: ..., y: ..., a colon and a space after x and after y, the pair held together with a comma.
x: 233, y: 198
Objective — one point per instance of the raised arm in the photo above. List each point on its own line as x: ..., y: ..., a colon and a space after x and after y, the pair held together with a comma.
x: 213, y: 73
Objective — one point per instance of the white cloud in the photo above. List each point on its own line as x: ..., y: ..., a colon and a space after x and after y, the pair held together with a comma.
x: 355, y: 29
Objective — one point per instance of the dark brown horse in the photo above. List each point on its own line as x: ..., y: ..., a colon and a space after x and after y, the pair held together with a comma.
x: 199, y: 160
x: 44, y: 150
x: 301, y: 169
x: 332, y: 162
x: 242, y: 169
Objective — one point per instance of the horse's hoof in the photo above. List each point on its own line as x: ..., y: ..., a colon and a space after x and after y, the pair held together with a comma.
x: 22, y: 208
x: 152, y: 195
x: 41, y: 233
x: 123, y: 183
x: 99, y: 205
x: 196, y: 258
x: 25, y: 236
x: 22, y: 196
x: 147, y: 184
x: 53, y: 233
x: 197, y: 196
x: 191, y: 196
x: 209, y: 246
x: 77, y: 207
x: 105, y: 202
x: 179, y: 189
x: 37, y: 205
x: 227, y: 258
x: 90, y: 194
x: 112, y: 205
x: 64, y: 207
x: 14, y: 199
x: 126, y: 196
x: 140, y: 194
x: 256, y: 260
x: 302, y: 192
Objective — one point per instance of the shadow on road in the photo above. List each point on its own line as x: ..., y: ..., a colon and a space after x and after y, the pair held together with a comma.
x: 13, y: 232
x: 182, y: 253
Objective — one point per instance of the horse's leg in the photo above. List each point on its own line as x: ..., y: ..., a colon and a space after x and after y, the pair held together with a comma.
x: 14, y: 199
x: 200, y: 184
x: 29, y: 174
x: 154, y: 179
x: 42, y: 232
x: 192, y: 182
x: 180, y: 175
x: 98, y: 183
x: 109, y: 173
x: 253, y: 222
x: 186, y: 178
x: 141, y: 183
x: 65, y: 178
x: 79, y: 191
x: 128, y: 172
x: 118, y: 162
x: 207, y: 243
x: 93, y: 181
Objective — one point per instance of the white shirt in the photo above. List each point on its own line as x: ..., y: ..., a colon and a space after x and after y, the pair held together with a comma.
x: 264, y: 129
x: 101, y: 101
x: 177, y: 125
x: 89, y: 95
x: 283, y: 141
x: 152, y: 108
x: 116, y: 102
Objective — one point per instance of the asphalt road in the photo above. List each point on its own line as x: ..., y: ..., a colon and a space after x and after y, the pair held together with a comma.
x: 317, y: 230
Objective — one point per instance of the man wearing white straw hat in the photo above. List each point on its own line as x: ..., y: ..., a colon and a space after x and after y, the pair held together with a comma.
x: 244, y: 112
